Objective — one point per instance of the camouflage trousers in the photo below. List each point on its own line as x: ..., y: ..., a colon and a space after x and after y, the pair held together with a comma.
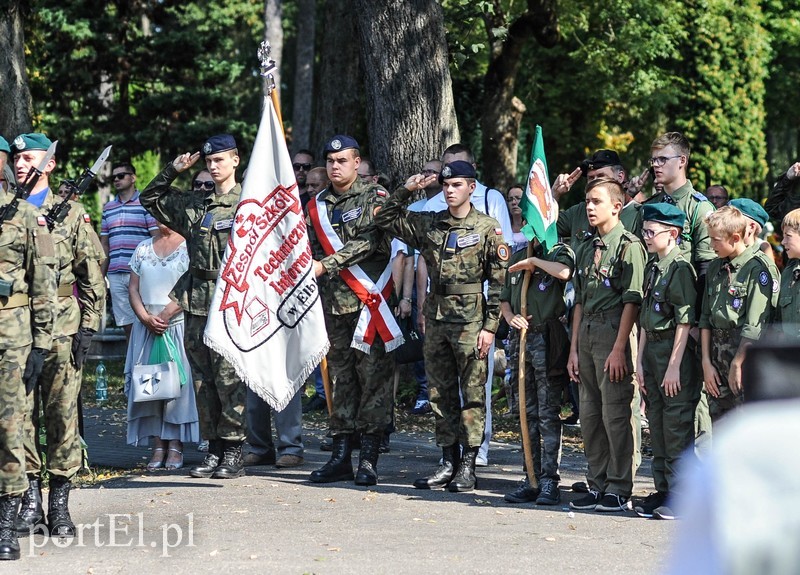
x: 56, y: 395
x: 722, y: 354
x: 220, y: 393
x: 12, y: 415
x: 671, y: 418
x: 542, y: 403
x: 452, y: 364
x: 362, y: 394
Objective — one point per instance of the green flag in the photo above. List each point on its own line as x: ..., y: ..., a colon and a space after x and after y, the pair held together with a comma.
x: 539, y: 208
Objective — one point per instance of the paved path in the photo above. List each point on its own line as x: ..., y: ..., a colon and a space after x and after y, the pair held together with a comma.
x: 274, y: 521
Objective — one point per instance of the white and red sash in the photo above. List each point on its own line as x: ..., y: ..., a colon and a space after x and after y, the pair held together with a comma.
x: 375, y: 315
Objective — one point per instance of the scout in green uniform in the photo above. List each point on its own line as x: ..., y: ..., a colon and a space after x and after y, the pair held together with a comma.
x: 362, y: 371
x: 757, y: 218
x: 205, y: 220
x: 27, y: 304
x: 78, y: 258
x: 462, y: 248
x: 785, y: 194
x: 546, y: 303
x: 787, y: 315
x: 737, y: 305
x: 608, y: 292
x: 668, y: 370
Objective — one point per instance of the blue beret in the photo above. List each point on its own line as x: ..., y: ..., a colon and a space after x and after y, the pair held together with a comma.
x: 219, y: 143
x: 4, y: 145
x: 31, y: 142
x: 340, y: 142
x: 457, y: 169
x: 751, y: 209
x: 663, y: 213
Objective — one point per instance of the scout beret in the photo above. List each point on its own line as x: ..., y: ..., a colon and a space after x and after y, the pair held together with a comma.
x: 4, y: 145
x: 457, y: 169
x: 340, y: 142
x: 219, y: 143
x: 751, y: 209
x: 600, y: 159
x: 663, y: 213
x: 31, y: 142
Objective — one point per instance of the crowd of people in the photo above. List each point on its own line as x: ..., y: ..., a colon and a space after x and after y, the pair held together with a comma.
x: 645, y: 307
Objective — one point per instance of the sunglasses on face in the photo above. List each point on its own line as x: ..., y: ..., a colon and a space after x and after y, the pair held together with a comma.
x: 121, y: 175
x: 298, y: 167
x: 206, y: 186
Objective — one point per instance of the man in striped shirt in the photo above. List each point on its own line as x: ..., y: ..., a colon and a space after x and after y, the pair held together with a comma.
x: 124, y: 225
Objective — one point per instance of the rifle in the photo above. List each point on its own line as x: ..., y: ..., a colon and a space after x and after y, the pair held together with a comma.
x: 60, y: 210
x: 23, y: 191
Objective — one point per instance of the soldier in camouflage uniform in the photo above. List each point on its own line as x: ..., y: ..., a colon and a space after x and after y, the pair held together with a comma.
x: 205, y: 220
x: 546, y: 304
x: 668, y: 370
x: 79, y: 255
x: 787, y: 314
x: 463, y: 248
x: 27, y: 301
x: 737, y: 306
x: 362, y: 398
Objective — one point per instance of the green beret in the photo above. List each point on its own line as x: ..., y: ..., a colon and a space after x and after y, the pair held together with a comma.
x: 663, y: 213
x: 4, y: 145
x: 751, y: 209
x: 32, y: 141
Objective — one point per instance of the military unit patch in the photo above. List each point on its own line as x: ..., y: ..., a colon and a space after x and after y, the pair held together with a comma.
x: 468, y: 240
x: 763, y: 278
x: 502, y: 252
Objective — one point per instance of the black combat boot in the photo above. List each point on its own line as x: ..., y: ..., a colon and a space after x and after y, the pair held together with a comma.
x: 9, y: 544
x: 465, y: 479
x: 211, y: 461
x: 339, y: 468
x: 367, y: 473
x: 232, y: 464
x: 446, y: 471
x: 31, y: 514
x: 58, y: 520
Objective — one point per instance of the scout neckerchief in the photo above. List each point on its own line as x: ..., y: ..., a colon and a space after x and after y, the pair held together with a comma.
x: 375, y: 315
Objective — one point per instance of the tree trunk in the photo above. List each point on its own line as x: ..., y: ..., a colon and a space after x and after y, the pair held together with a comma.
x: 411, y: 114
x: 304, y: 75
x: 502, y: 110
x: 340, y: 104
x: 15, y: 111
x: 273, y: 32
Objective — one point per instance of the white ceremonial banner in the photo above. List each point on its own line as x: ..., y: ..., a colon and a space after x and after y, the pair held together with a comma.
x: 266, y: 317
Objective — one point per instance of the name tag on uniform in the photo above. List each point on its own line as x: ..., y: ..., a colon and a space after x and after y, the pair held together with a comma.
x: 223, y: 225
x: 350, y: 215
x: 469, y: 240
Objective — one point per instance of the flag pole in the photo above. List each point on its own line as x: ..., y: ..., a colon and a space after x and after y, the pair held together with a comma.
x: 267, y: 66
x: 523, y: 414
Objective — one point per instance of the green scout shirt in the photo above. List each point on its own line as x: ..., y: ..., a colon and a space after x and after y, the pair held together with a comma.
x: 783, y: 198
x: 79, y: 255
x: 774, y: 274
x: 352, y: 216
x: 788, y: 312
x: 738, y: 295
x: 27, y: 267
x: 545, y: 293
x: 618, y: 277
x: 205, y: 221
x: 695, y: 244
x: 573, y: 222
x: 461, y: 253
x: 669, y: 293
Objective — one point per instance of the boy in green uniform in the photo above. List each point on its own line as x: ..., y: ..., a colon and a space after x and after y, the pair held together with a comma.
x: 549, y: 274
x: 787, y: 315
x: 463, y: 248
x: 608, y: 292
x: 667, y: 369
x: 737, y: 304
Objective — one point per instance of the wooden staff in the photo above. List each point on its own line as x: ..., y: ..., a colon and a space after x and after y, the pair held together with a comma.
x: 326, y: 385
x: 523, y: 414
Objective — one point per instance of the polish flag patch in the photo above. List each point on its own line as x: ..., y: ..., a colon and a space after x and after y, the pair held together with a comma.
x: 87, y: 219
x: 498, y: 231
x: 41, y: 220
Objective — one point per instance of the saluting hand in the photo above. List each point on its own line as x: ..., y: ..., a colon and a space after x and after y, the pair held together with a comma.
x: 564, y: 182
x: 185, y: 161
x: 419, y: 182
x: 794, y: 171
x: 635, y: 185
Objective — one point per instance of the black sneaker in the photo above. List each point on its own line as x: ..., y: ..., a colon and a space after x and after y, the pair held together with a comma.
x: 587, y: 502
x: 649, y: 504
x: 580, y: 487
x: 664, y: 512
x: 549, y: 493
x: 522, y: 494
x: 612, y: 502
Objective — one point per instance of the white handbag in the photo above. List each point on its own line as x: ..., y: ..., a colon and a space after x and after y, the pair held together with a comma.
x: 153, y: 382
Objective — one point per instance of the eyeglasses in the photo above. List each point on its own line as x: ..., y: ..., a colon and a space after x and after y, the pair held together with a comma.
x: 298, y: 167
x: 428, y: 172
x: 121, y: 175
x: 659, y: 161
x: 650, y: 234
x: 208, y: 185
